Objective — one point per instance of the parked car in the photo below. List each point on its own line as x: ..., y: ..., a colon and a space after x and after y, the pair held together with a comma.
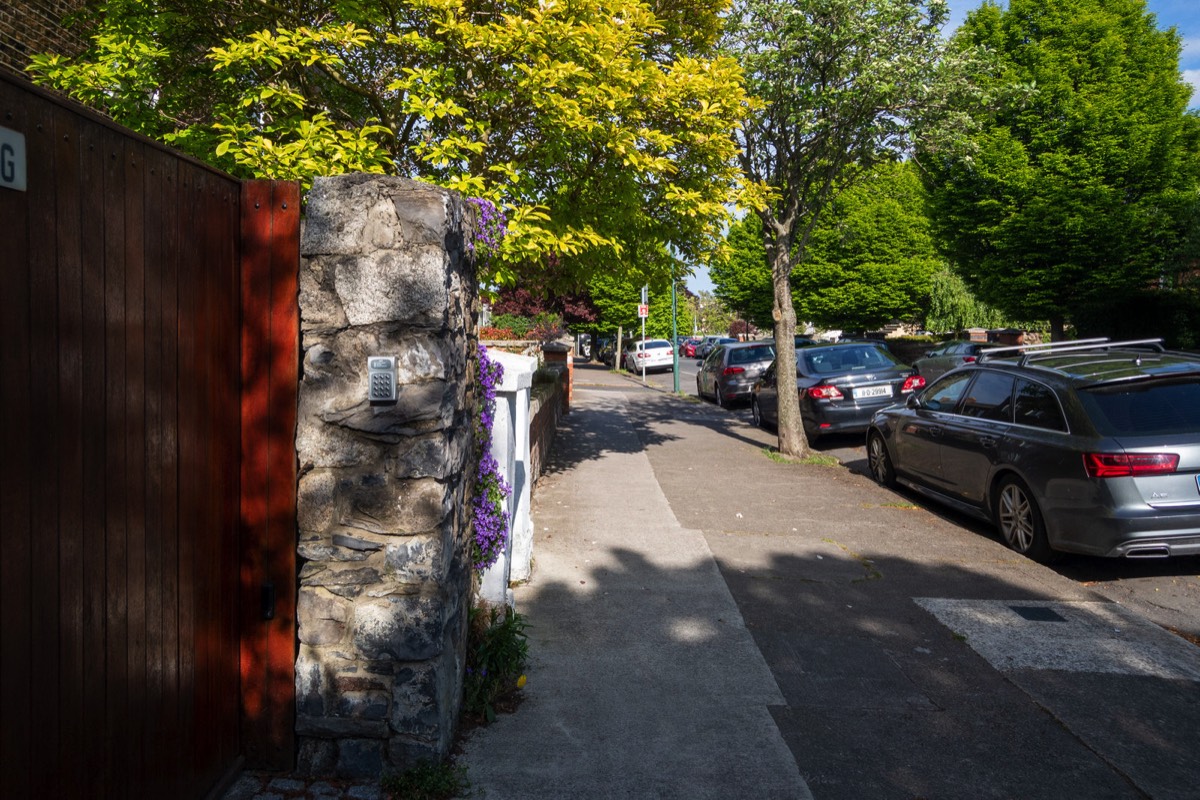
x: 730, y: 370
x: 690, y: 345
x: 840, y: 385
x: 947, y: 356
x: 706, y: 346
x: 651, y: 354
x: 1092, y: 447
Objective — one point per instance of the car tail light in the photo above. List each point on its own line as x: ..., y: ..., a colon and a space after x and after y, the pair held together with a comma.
x: 733, y: 370
x: 968, y: 359
x: 1120, y: 465
x: 912, y: 383
x: 824, y: 392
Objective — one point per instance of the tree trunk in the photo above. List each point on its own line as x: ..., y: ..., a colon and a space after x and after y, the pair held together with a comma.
x: 792, y: 440
x: 1058, y: 330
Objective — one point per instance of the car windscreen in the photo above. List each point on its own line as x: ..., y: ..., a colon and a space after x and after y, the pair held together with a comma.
x: 1147, y: 408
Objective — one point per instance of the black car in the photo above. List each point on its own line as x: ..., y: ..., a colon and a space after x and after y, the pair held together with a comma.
x: 1091, y: 447
x: 840, y: 387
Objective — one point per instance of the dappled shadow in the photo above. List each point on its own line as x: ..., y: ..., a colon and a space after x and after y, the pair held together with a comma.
x: 649, y: 639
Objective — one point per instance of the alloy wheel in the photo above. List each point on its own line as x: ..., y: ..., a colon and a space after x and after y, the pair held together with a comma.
x: 879, y: 461
x: 1017, y: 521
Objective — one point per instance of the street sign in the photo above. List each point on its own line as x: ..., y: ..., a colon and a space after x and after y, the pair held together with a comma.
x: 643, y: 311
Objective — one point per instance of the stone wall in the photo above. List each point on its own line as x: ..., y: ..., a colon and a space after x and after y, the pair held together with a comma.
x: 384, y: 503
x: 36, y: 26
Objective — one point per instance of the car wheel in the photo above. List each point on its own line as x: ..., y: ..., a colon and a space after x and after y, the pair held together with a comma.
x: 756, y: 413
x: 879, y: 461
x: 719, y: 397
x: 1020, y: 520
x: 699, y: 393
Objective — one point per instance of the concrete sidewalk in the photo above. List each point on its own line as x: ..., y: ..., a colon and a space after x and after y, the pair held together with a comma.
x: 706, y: 622
x: 644, y: 681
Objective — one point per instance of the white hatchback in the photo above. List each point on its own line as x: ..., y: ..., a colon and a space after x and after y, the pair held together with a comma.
x: 649, y: 354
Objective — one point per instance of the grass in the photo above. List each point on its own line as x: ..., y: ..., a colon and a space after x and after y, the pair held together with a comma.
x: 428, y: 781
x: 814, y: 459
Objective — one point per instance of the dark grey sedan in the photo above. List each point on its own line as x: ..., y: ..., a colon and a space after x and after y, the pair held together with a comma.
x: 947, y: 356
x: 1086, y: 448
x: 840, y: 387
x: 730, y: 370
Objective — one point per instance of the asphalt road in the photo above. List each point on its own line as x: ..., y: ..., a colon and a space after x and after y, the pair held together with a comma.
x: 1166, y: 591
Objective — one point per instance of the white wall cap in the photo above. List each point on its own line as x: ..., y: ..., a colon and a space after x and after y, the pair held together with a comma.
x: 518, y: 370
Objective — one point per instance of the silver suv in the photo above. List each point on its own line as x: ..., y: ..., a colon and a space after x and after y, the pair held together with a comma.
x: 1087, y: 447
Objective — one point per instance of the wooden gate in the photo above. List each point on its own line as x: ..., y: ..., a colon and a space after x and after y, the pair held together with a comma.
x: 148, y: 357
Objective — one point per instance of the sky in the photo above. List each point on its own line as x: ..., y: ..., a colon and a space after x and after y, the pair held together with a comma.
x: 1183, y: 15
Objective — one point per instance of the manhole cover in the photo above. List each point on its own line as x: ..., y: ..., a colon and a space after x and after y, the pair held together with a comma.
x: 1038, y: 613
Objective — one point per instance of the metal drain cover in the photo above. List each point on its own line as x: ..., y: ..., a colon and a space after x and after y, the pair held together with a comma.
x: 1039, y: 613
x: 1089, y: 637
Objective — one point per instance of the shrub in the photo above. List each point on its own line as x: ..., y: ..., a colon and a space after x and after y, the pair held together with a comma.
x: 517, y: 324
x: 428, y: 780
x: 497, y: 649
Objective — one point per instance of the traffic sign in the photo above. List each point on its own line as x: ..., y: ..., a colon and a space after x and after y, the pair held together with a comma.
x: 643, y: 311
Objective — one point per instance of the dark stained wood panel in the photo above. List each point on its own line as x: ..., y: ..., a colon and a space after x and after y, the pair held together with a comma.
x: 124, y: 540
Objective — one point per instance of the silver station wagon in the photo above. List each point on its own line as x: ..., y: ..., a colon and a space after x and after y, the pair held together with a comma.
x: 1087, y: 447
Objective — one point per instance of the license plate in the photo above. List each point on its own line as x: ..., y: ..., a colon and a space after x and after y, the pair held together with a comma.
x: 872, y: 391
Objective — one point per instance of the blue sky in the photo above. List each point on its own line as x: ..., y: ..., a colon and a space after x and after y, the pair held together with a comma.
x: 1183, y: 15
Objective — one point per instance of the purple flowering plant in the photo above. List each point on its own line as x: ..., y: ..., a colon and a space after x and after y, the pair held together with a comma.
x: 491, y: 227
x: 490, y: 518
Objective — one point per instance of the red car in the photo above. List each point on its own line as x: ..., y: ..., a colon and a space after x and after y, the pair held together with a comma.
x: 689, y: 347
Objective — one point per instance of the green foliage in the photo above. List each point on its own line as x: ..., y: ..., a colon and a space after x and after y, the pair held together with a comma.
x: 741, y: 276
x: 1150, y: 313
x: 871, y: 256
x: 428, y: 780
x: 600, y: 127
x: 497, y: 651
x: 1081, y: 188
x: 617, y: 297
x: 953, y: 308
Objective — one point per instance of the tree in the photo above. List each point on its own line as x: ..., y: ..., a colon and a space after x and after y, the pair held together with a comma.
x: 840, y: 83
x: 741, y: 275
x: 600, y: 126
x: 952, y: 307
x: 871, y: 256
x: 617, y: 298
x: 1081, y: 190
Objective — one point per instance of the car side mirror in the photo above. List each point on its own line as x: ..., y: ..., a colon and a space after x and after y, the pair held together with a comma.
x: 929, y: 354
x: 912, y: 401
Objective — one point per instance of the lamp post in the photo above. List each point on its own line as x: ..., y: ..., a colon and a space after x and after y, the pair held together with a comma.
x: 674, y: 332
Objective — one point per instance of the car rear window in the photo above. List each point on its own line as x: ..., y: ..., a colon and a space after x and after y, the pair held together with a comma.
x: 1144, y: 409
x: 655, y: 345
x: 846, y: 359
x: 749, y: 355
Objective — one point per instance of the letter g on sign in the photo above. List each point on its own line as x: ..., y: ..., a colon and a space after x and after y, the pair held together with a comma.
x: 12, y: 160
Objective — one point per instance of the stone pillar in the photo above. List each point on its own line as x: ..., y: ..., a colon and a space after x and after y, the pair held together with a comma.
x: 384, y: 492
x: 510, y: 447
